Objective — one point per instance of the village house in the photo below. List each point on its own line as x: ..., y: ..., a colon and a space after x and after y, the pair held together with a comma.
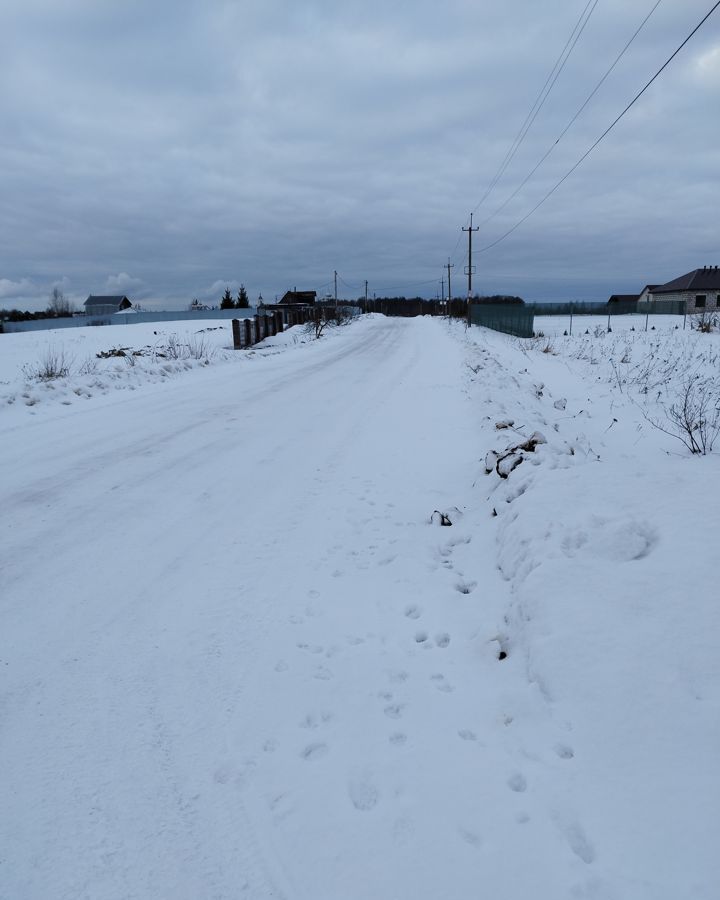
x: 699, y: 289
x: 296, y: 297
x: 97, y: 305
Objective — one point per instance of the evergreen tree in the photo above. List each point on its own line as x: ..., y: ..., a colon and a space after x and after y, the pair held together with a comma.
x: 227, y: 300
x: 242, y: 298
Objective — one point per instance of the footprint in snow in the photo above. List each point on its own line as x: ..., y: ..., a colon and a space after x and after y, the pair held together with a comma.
x: 466, y: 587
x: 363, y: 793
x: 441, y: 684
x: 314, y: 751
x: 579, y: 844
x: 470, y: 837
x: 517, y: 783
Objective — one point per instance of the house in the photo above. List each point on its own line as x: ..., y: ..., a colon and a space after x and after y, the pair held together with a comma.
x: 624, y: 298
x: 645, y: 292
x: 296, y: 297
x: 97, y: 305
x: 700, y: 289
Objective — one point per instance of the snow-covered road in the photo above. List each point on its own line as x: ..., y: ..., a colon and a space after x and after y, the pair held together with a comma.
x: 238, y: 660
x: 194, y: 589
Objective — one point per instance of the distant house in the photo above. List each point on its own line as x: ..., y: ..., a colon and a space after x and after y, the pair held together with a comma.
x: 700, y: 289
x: 304, y: 298
x: 624, y: 298
x: 97, y: 305
x: 645, y: 293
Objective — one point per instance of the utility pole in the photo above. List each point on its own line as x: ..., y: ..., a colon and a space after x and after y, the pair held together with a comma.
x: 366, y: 309
x: 442, y: 290
x: 448, y: 267
x: 336, y: 288
x: 469, y: 267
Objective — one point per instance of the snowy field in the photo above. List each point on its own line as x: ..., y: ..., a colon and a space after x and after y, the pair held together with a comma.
x: 241, y: 657
x: 632, y: 323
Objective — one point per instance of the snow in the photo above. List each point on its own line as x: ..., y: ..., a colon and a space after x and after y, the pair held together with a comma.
x: 242, y: 657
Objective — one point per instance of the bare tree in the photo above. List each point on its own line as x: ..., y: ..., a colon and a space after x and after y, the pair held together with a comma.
x: 59, y: 305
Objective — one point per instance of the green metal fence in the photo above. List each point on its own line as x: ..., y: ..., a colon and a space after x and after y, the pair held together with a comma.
x: 508, y: 318
x: 618, y: 308
x: 518, y: 319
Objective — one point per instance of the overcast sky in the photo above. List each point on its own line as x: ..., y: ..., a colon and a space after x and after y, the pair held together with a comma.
x: 167, y: 149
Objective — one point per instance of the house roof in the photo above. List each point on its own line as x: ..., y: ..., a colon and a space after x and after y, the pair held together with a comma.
x: 623, y: 298
x: 299, y: 297
x: 106, y: 300
x: 705, y: 279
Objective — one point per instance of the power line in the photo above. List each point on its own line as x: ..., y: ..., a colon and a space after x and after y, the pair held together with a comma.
x: 542, y: 96
x: 574, y: 118
x: 604, y: 134
x: 397, y: 287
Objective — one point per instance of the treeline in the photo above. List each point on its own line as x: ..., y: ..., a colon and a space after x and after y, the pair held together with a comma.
x: 59, y: 307
x: 476, y: 298
x: 24, y: 315
x: 413, y: 306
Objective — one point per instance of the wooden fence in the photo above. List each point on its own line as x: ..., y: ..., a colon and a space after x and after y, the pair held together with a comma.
x: 247, y: 332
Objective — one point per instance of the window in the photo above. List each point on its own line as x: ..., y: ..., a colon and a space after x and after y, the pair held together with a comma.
x: 700, y: 300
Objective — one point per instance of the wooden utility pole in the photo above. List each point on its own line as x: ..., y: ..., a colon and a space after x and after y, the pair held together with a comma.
x: 365, y: 310
x: 448, y: 267
x: 469, y: 267
x: 336, y: 289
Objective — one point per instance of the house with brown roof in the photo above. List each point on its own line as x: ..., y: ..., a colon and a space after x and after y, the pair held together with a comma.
x: 299, y: 298
x: 699, y: 289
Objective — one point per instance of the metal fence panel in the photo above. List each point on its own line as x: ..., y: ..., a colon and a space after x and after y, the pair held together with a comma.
x: 508, y: 318
x: 617, y: 308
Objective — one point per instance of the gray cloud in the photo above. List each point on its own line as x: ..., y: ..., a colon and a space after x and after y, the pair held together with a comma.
x: 183, y: 146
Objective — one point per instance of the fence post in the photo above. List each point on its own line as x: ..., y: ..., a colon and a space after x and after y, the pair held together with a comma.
x: 246, y: 325
x: 278, y: 322
x: 237, y: 343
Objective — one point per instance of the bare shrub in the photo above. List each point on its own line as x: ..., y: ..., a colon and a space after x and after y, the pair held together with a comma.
x: 694, y: 417
x: 173, y: 348
x: 705, y: 321
x: 89, y: 367
x: 53, y: 364
x: 198, y: 347
x: 325, y: 318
